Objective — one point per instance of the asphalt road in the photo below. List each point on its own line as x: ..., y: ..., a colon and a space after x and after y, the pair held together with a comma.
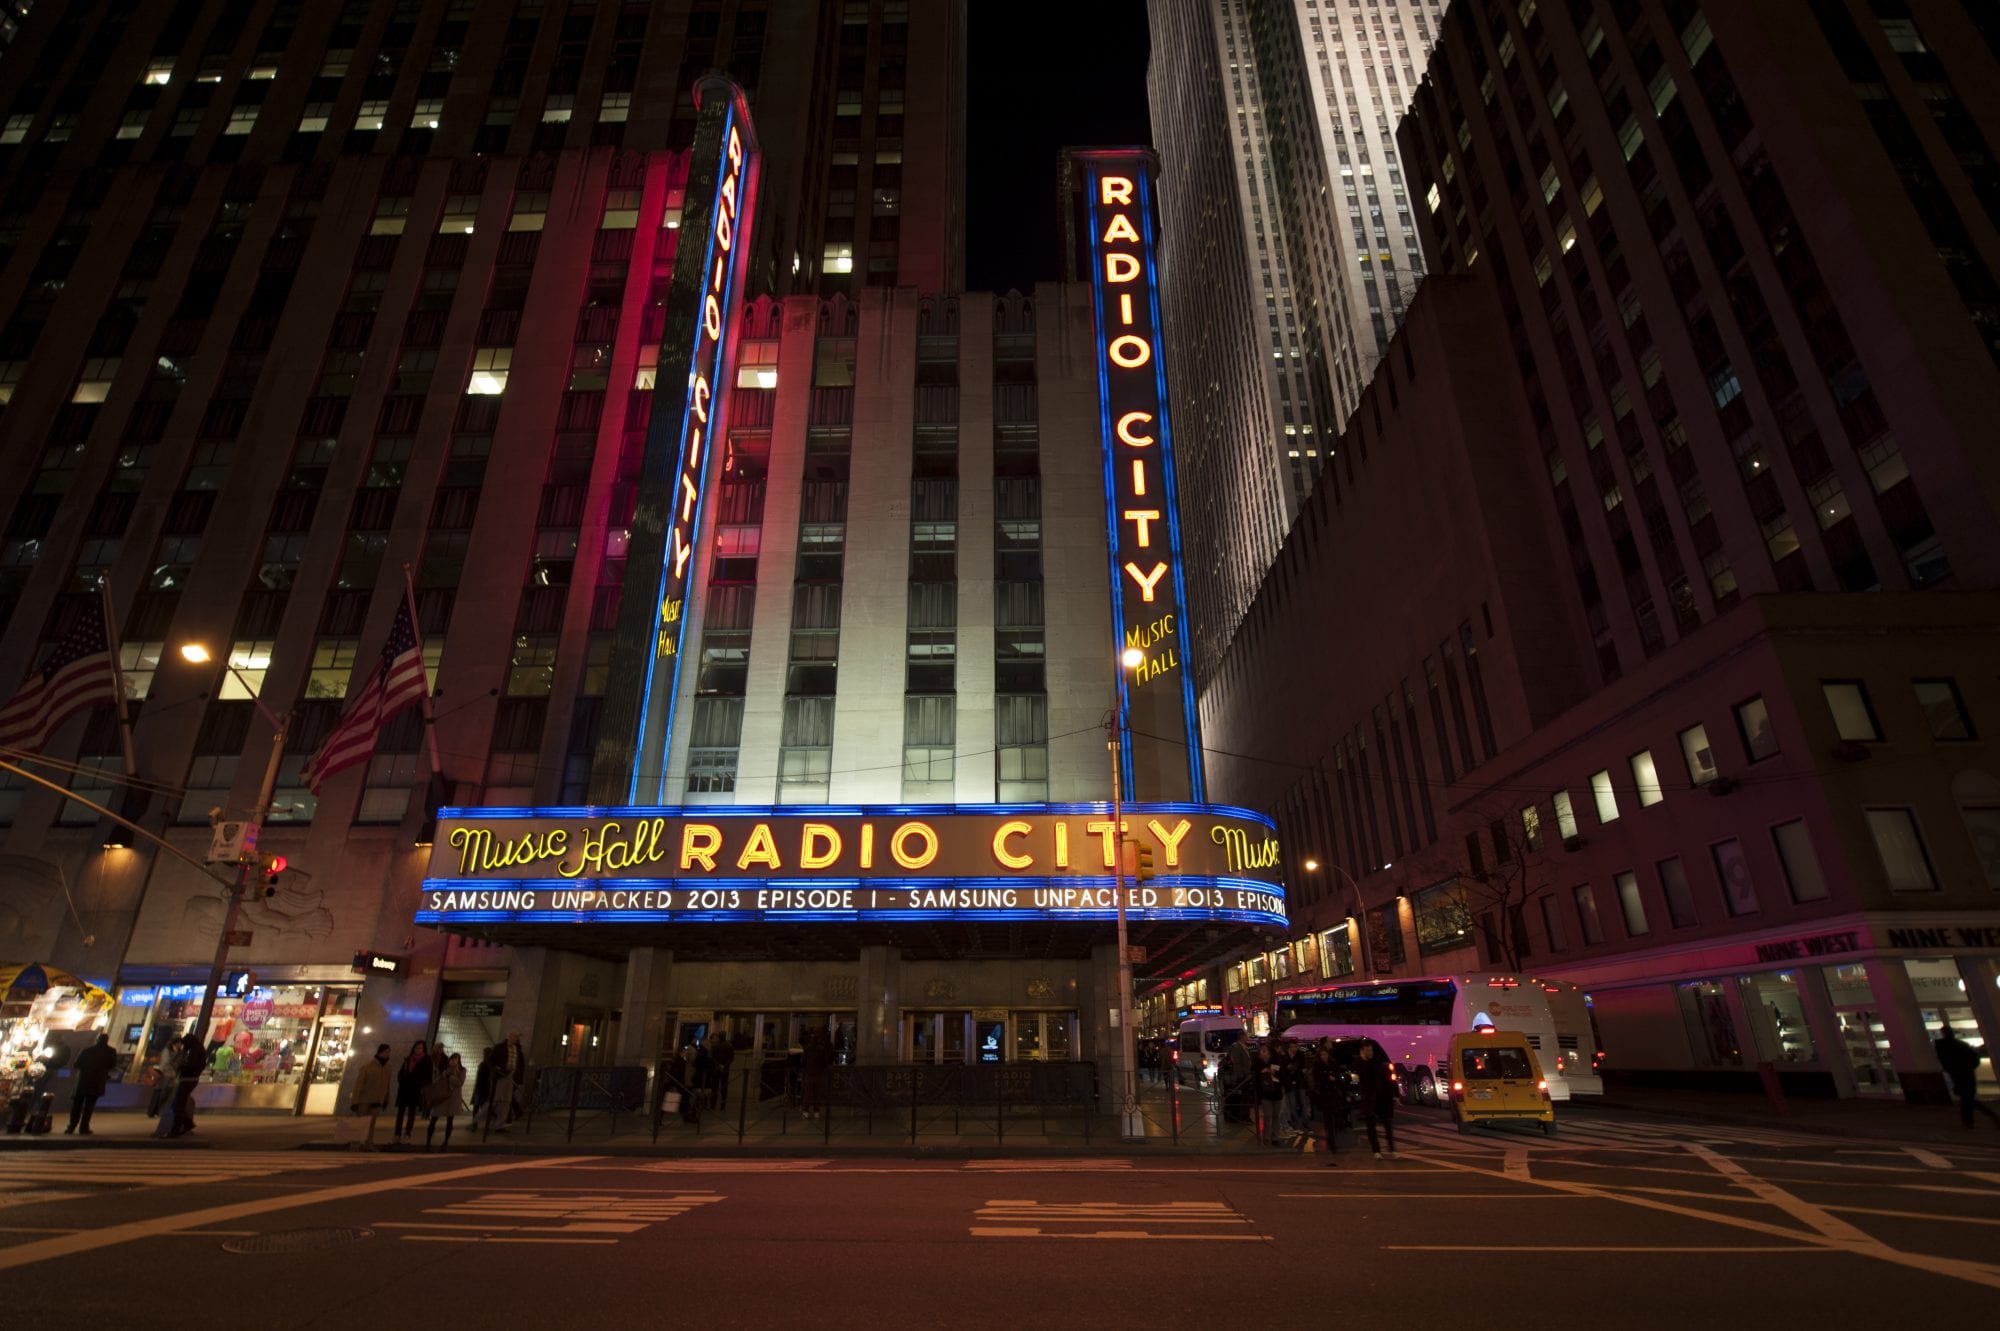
x: 1615, y: 1223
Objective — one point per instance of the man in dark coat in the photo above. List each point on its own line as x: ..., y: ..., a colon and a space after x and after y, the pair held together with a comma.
x: 724, y: 1054
x: 1960, y: 1062
x: 93, y: 1074
x: 1378, y: 1096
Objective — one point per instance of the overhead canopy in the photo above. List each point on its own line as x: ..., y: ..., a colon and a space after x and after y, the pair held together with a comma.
x: 20, y: 980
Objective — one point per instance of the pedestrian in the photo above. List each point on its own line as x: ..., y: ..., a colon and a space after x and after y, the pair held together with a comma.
x: 1378, y: 1097
x: 178, y: 1119
x: 1298, y: 1102
x: 412, y: 1080
x: 444, y: 1099
x: 1238, y: 1068
x: 93, y: 1074
x: 680, y: 1073
x: 723, y: 1055
x: 371, y: 1093
x: 1271, y: 1095
x: 165, y: 1077
x: 704, y: 1074
x: 1327, y: 1081
x: 499, y: 1090
x: 813, y: 1065
x: 1960, y: 1062
x: 514, y: 1070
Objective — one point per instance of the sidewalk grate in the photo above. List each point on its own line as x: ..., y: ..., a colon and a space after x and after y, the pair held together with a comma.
x: 298, y: 1240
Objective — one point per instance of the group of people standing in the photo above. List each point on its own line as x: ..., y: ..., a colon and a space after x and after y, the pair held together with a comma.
x: 697, y: 1076
x: 430, y: 1084
x: 1295, y: 1093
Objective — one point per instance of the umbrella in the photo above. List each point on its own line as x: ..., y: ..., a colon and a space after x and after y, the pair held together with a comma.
x: 21, y: 980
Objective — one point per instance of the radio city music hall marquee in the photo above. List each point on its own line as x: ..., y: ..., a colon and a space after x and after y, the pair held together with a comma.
x: 847, y: 863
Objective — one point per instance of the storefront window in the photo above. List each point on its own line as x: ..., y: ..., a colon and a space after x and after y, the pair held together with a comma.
x: 1863, y: 1037
x: 42, y: 1032
x: 1711, y: 1029
x: 1941, y: 1000
x: 1336, y: 951
x: 1777, y: 1018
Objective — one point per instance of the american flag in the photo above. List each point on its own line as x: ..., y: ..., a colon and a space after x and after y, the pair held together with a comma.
x: 77, y: 675
x: 397, y: 682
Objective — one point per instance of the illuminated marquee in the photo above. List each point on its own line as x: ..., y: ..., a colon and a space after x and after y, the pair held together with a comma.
x: 734, y: 863
x: 1162, y: 749
x: 709, y: 269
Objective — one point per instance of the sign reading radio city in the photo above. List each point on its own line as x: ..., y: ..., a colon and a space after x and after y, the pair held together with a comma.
x: 736, y: 863
x: 710, y: 264
x: 1162, y: 749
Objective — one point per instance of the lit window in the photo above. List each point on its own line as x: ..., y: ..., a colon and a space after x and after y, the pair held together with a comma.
x: 1732, y: 872
x: 371, y: 115
x: 1606, y: 797
x: 427, y: 113
x: 839, y: 258
x: 756, y: 376
x: 489, y: 371
x: 1565, y: 814
x: 248, y: 661
x: 1630, y: 904
x: 1432, y: 197
x: 530, y: 212
x: 242, y: 120
x: 1531, y: 827
x: 1901, y: 848
x: 1853, y: 715
x: 621, y: 210
x: 615, y: 108
x: 333, y: 662
x: 313, y: 119
x: 1944, y: 709
x: 391, y: 215
x: 1699, y: 757
x: 1566, y: 235
x: 94, y: 384
x: 1753, y: 723
x: 1646, y: 778
x: 556, y: 111
x: 134, y: 124
x: 460, y: 212
x: 10, y: 378
x: 160, y: 71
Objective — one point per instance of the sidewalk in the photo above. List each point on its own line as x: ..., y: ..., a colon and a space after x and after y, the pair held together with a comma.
x: 1864, y: 1119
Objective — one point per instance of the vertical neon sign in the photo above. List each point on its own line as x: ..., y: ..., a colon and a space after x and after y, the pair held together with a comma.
x: 636, y: 732
x: 1162, y: 738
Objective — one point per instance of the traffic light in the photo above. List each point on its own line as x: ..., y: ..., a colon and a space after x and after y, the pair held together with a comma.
x: 272, y: 868
x: 1142, y: 864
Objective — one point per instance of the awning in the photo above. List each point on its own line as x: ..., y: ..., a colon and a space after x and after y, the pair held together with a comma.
x: 24, y: 980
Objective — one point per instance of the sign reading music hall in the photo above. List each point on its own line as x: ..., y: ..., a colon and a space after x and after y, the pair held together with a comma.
x: 844, y: 862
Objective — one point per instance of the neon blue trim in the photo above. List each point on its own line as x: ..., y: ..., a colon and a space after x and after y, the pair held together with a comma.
x: 462, y: 813
x: 1120, y: 686
x: 717, y: 397
x: 1197, y: 783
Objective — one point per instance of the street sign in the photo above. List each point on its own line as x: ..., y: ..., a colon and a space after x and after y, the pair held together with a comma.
x: 240, y: 937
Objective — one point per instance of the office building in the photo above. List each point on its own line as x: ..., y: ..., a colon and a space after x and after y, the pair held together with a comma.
x: 1750, y: 324
x: 302, y: 296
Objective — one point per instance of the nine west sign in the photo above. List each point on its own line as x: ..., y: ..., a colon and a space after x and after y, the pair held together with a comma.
x: 733, y: 862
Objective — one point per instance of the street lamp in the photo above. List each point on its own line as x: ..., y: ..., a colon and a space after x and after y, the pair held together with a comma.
x: 1360, y: 912
x: 196, y: 654
x: 1131, y: 1124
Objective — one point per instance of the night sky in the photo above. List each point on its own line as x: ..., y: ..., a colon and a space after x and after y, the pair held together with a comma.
x: 1044, y: 74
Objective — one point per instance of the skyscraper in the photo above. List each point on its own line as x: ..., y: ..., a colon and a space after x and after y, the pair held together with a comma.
x: 1669, y: 510
x: 1275, y: 125
x: 506, y: 310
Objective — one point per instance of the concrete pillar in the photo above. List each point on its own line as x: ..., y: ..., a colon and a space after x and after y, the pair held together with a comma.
x: 1909, y: 1045
x: 1099, y: 1020
x: 642, y: 1033
x: 1981, y: 990
x: 527, y: 973
x: 1828, y: 1047
x: 878, y: 1008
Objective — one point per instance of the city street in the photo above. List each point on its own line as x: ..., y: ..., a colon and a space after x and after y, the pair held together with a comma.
x: 1618, y: 1221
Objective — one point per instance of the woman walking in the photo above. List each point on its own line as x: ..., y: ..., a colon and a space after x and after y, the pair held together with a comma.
x: 447, y: 1099
x: 411, y: 1080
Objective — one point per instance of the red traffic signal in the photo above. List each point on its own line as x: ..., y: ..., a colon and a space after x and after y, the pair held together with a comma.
x: 276, y: 865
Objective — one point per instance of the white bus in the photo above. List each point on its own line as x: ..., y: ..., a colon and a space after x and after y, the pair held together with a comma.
x: 1414, y: 1020
x: 1204, y: 1041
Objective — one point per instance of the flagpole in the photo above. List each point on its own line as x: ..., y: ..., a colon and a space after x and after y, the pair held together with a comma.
x: 118, y: 679
x: 430, y: 714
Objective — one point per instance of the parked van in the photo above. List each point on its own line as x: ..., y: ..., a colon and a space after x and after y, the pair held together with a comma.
x: 1495, y: 1077
x: 1203, y: 1042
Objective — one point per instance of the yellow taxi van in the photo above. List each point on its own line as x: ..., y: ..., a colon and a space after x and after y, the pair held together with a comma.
x: 1495, y: 1077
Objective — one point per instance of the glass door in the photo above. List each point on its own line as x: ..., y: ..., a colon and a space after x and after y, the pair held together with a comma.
x: 333, y: 1039
x: 1866, y: 1041
x: 937, y: 1037
x: 1958, y: 1018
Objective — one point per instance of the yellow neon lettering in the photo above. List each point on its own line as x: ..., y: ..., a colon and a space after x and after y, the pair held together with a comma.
x: 1062, y: 845
x: 687, y: 502
x: 1138, y: 478
x: 1012, y: 859
x: 1125, y: 308
x: 1130, y: 351
x: 819, y: 846
x: 1120, y: 268
x: 923, y: 832
x: 699, y: 842
x: 1114, y: 189
x: 1127, y: 435
x: 682, y: 550
x: 1146, y: 580
x: 867, y: 845
x: 759, y: 849
x: 735, y: 148
x: 1170, y: 842
x: 701, y: 392
x: 1143, y: 516
x: 1120, y: 229
x: 711, y: 320
x: 1105, y: 831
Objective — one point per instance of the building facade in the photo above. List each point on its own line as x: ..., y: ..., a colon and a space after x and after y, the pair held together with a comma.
x: 316, y: 309
x: 1758, y: 827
